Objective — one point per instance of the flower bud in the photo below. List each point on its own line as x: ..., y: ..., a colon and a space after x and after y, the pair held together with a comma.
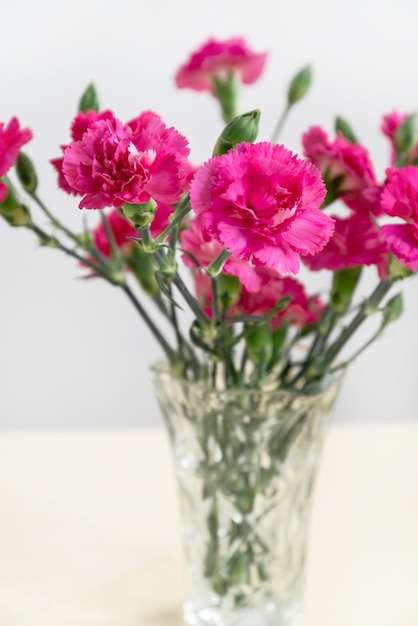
x: 393, y: 309
x: 89, y: 101
x: 406, y: 136
x: 242, y: 128
x: 26, y: 173
x: 299, y: 86
x: 12, y: 209
x: 140, y: 215
x: 342, y: 126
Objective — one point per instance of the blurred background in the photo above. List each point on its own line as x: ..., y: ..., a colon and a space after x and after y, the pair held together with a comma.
x: 73, y: 353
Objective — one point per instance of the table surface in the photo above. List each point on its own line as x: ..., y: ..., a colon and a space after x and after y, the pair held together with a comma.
x: 89, y: 530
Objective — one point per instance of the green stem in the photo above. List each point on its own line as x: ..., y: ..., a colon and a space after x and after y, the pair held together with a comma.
x: 280, y: 124
x: 147, y: 319
x: 54, y: 221
x: 182, y: 210
x: 369, y: 306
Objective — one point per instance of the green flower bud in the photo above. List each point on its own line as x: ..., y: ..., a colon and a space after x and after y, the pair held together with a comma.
x: 12, y: 208
x: 406, y: 137
x: 393, y: 309
x: 299, y: 86
x: 140, y: 215
x: 345, y: 129
x: 26, y: 173
x: 242, y: 128
x: 89, y: 101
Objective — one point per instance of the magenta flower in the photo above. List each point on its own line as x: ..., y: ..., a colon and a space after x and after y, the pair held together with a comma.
x: 81, y: 123
x: 115, y: 163
x: 217, y: 59
x: 198, y: 245
x: 301, y: 310
x: 356, y: 241
x: 262, y: 203
x: 346, y: 168
x: 400, y: 199
x: 12, y: 138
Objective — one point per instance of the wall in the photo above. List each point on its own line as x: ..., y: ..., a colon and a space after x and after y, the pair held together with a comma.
x: 72, y: 352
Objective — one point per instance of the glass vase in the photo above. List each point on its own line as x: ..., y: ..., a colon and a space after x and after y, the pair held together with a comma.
x: 245, y: 462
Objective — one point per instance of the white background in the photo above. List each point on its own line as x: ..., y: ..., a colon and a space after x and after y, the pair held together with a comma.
x: 73, y: 353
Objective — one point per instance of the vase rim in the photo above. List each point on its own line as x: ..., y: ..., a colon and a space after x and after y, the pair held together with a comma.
x: 162, y: 368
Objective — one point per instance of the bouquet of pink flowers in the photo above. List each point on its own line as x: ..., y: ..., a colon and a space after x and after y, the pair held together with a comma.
x: 226, y: 239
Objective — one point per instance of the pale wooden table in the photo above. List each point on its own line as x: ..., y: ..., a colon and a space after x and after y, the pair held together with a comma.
x: 89, y: 530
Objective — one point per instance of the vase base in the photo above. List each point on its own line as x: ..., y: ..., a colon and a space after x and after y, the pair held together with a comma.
x: 284, y: 615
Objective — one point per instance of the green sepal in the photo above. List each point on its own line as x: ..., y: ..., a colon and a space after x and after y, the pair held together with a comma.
x: 139, y: 215
x: 12, y: 209
x: 226, y: 91
x: 344, y: 283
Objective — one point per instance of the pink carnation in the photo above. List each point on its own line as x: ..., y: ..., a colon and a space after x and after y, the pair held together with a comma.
x: 262, y: 203
x: 12, y: 138
x: 345, y: 166
x: 216, y: 59
x: 115, y: 163
x: 400, y: 199
x: 201, y: 248
x: 356, y: 241
x: 300, y: 311
x: 81, y: 123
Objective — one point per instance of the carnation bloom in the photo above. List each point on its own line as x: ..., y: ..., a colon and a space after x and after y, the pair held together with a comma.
x: 262, y: 203
x: 12, y: 138
x: 400, y: 199
x: 346, y: 168
x: 81, y: 123
x: 115, y: 163
x: 300, y: 311
x: 217, y: 59
x: 356, y: 241
x: 122, y: 229
x: 201, y: 248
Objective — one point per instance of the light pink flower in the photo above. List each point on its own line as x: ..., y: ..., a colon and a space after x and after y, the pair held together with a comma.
x: 262, y: 203
x: 216, y: 59
x: 301, y: 310
x: 12, y: 138
x: 122, y: 229
x: 345, y: 166
x: 356, y: 241
x: 198, y: 245
x: 115, y: 163
x: 400, y: 199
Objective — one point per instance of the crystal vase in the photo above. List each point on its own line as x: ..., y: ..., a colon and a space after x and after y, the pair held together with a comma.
x: 245, y: 462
